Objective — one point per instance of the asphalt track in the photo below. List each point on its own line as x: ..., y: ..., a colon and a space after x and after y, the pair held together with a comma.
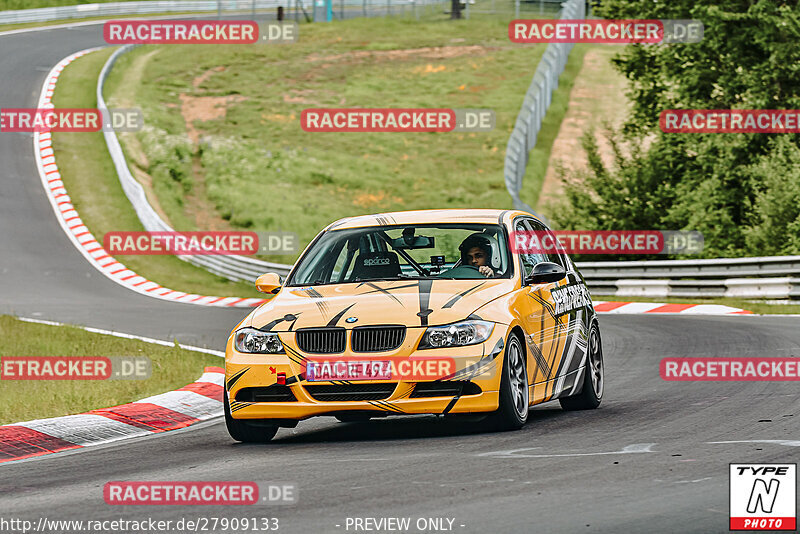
x: 567, y: 471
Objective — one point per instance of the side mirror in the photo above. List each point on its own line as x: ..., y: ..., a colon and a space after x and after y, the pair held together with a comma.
x: 546, y: 272
x: 268, y: 283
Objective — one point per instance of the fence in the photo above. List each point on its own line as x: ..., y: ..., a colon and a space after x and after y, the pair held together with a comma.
x: 534, y: 107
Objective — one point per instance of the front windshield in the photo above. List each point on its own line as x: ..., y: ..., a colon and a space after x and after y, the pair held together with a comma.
x: 443, y: 251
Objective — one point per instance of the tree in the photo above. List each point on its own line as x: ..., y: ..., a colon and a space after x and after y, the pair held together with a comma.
x: 720, y: 184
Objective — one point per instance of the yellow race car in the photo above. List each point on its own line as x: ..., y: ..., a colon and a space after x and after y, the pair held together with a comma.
x: 418, y: 312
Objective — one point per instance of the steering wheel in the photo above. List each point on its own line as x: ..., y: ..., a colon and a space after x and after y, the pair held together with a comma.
x: 462, y: 271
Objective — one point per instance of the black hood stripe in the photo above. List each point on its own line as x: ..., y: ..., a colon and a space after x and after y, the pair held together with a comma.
x: 461, y: 295
x: 338, y: 316
x: 424, y: 301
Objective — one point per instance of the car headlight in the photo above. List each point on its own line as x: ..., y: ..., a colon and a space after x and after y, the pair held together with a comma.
x: 456, y: 334
x: 254, y: 341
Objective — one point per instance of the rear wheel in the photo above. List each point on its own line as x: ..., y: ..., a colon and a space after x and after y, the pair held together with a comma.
x: 593, y: 380
x: 514, y: 399
x: 253, y: 431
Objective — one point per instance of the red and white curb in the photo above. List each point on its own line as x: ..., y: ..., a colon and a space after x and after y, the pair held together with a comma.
x: 656, y: 307
x: 80, y: 235
x: 198, y: 401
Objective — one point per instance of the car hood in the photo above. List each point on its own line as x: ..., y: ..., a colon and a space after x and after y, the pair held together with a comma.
x: 406, y: 302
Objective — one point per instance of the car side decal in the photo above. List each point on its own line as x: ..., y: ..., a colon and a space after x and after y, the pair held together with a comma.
x: 498, y: 348
x: 295, y: 356
x: 541, y: 363
x: 385, y: 406
x: 235, y: 378
x: 570, y: 297
x: 238, y: 405
x: 293, y: 379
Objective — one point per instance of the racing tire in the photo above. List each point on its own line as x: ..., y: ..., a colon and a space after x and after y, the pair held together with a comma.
x: 593, y: 380
x: 247, y: 432
x: 512, y: 413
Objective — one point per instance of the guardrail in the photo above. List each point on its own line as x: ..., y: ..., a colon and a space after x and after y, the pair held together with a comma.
x: 534, y: 107
x: 230, y: 267
x: 775, y: 277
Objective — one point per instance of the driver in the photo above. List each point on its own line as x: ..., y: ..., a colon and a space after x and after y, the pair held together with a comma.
x: 476, y: 250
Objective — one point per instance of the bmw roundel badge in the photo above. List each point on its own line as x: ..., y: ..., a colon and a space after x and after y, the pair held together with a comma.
x: 351, y: 319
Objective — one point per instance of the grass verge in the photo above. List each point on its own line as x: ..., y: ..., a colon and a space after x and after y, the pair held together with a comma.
x: 24, y: 400
x: 224, y: 147
x: 91, y: 180
x: 746, y: 304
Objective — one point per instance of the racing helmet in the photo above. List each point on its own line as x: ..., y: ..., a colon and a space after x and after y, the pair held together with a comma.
x: 486, y: 243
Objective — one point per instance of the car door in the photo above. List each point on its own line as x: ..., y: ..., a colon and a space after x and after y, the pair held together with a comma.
x: 569, y: 299
x: 544, y: 334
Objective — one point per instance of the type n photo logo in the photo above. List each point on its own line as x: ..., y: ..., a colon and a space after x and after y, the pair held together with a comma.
x: 763, y: 497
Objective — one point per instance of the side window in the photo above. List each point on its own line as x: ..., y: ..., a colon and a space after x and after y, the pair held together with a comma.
x: 551, y: 255
x: 529, y: 257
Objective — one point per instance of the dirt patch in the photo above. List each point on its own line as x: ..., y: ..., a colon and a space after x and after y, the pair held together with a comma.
x: 366, y: 200
x: 204, y: 108
x: 597, y: 97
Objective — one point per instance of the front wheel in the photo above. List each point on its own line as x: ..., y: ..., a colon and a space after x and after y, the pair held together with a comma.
x: 246, y: 431
x: 514, y: 399
x: 593, y: 380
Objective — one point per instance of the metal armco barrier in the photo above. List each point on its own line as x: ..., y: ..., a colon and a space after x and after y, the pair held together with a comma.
x: 534, y: 106
x: 776, y: 277
x: 231, y: 267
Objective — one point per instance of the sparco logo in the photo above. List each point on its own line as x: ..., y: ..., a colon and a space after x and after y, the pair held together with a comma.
x: 376, y: 261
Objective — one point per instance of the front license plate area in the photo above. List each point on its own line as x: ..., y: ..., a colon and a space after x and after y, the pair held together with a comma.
x: 352, y: 370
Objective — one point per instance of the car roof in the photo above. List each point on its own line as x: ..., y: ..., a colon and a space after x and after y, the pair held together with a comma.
x: 479, y: 216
